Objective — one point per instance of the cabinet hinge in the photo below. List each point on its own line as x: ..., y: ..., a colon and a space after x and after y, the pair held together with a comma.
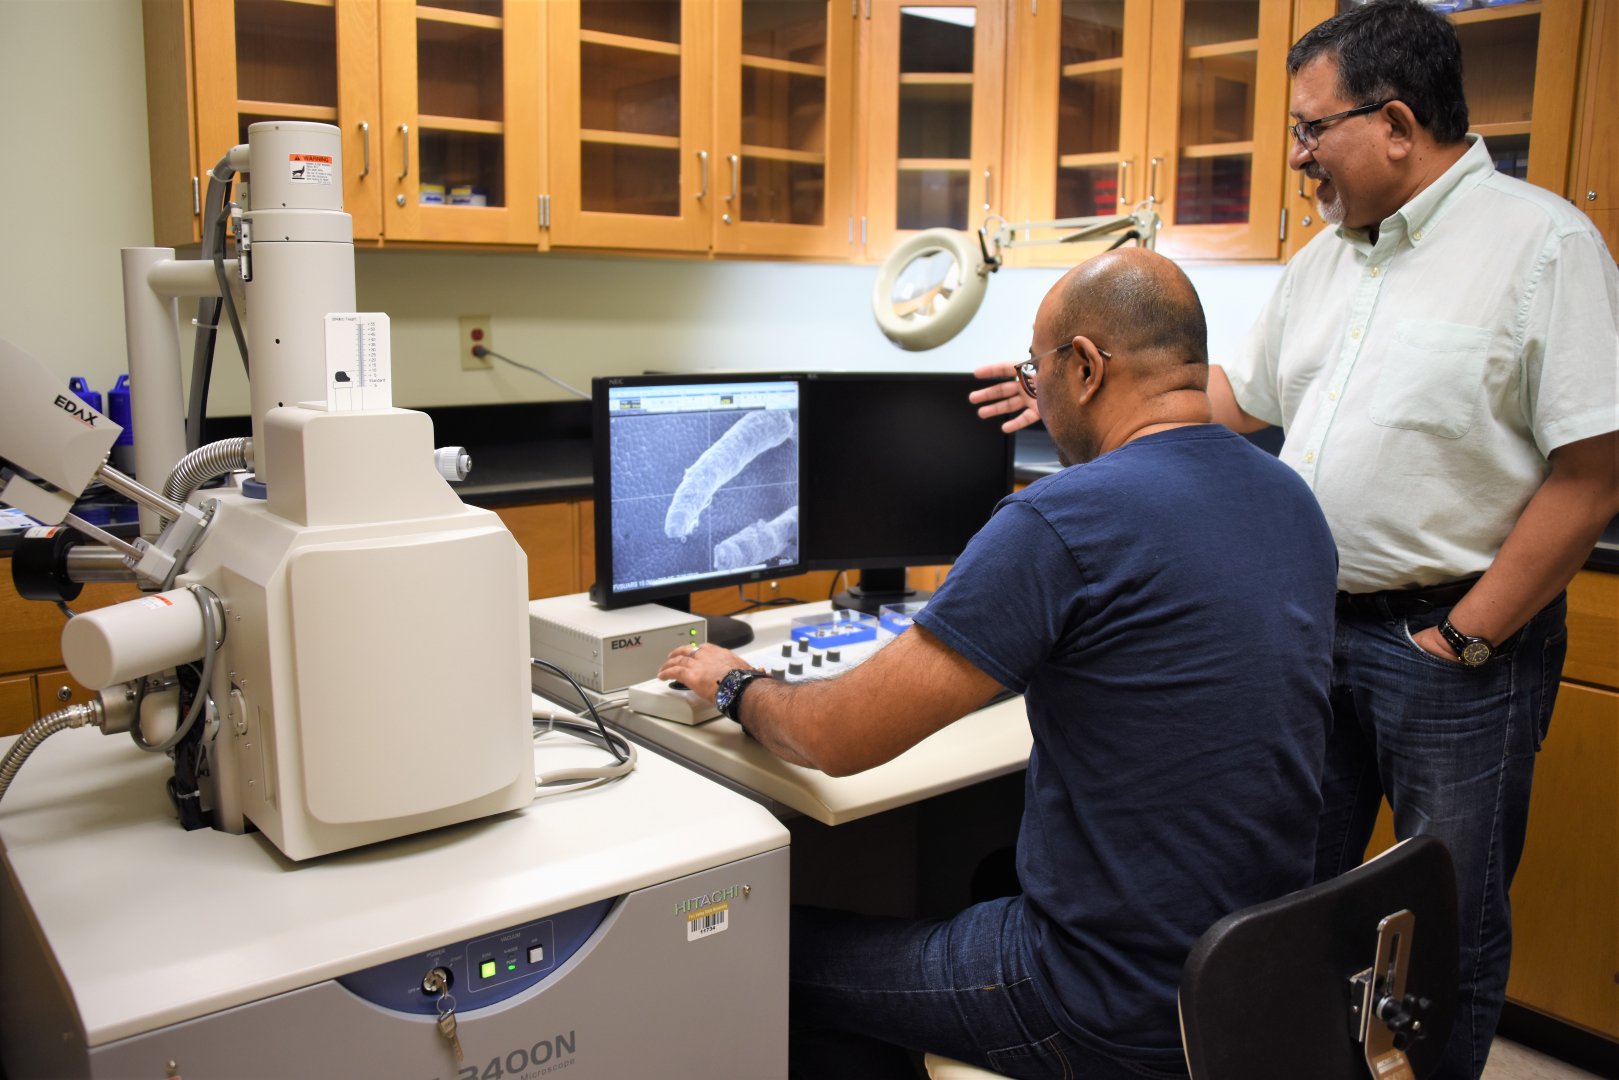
x: 1281, y: 231
x: 862, y: 232
x: 851, y: 230
x: 545, y: 211
x: 196, y: 196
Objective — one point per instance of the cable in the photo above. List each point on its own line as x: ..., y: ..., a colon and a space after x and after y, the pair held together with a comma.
x: 842, y: 575
x: 481, y: 351
x: 581, y: 777
x: 589, y: 705
x: 71, y: 717
x: 224, y: 285
x: 210, y: 628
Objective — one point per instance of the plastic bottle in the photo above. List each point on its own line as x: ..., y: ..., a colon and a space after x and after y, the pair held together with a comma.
x: 123, y: 451
x: 82, y: 390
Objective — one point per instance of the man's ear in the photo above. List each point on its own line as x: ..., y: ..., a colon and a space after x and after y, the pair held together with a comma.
x: 1402, y: 127
x: 1090, y: 367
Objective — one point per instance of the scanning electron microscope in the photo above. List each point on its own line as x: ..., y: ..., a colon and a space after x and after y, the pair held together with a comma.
x: 328, y: 671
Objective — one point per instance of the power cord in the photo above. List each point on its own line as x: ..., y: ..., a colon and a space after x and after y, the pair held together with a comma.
x: 483, y: 350
x: 623, y: 751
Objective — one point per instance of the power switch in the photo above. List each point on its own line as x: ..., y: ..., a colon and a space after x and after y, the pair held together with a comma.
x: 536, y: 954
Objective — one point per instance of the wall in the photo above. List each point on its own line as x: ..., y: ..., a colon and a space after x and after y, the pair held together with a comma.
x: 84, y: 192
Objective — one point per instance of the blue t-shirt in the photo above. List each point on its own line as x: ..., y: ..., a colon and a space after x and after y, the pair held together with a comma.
x: 1167, y: 610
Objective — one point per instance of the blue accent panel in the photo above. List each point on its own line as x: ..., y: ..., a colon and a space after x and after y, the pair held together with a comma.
x: 255, y: 489
x: 397, y: 984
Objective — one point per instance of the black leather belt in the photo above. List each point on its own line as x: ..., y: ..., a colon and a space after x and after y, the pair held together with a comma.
x: 1398, y: 603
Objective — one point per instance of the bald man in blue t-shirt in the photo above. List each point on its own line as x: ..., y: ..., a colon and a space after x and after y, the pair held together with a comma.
x: 1165, y: 606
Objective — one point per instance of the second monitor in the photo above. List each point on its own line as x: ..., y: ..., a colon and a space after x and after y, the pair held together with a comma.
x: 899, y: 471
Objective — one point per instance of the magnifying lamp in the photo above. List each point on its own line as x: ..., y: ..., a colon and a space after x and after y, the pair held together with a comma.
x: 930, y: 286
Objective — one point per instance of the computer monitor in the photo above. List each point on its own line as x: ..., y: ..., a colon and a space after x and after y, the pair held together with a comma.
x: 696, y: 485
x: 899, y: 471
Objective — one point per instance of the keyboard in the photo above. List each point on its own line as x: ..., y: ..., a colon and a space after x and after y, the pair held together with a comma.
x: 792, y: 661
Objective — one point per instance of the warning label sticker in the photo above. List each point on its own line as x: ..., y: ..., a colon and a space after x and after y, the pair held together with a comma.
x: 311, y: 169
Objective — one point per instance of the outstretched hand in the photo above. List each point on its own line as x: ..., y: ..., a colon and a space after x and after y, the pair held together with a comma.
x: 1005, y: 397
x: 700, y: 668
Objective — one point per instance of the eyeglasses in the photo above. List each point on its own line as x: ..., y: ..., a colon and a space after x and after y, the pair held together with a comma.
x: 1028, y: 369
x: 1308, y: 132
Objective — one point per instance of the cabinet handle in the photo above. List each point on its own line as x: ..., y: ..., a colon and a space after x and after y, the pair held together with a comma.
x: 736, y: 168
x: 702, y: 161
x: 365, y: 141
x: 404, y: 129
x: 989, y: 187
x: 1152, y: 179
x: 1302, y: 195
x: 1124, y: 182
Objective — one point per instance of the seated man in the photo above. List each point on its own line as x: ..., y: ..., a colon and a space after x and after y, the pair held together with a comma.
x: 1165, y: 606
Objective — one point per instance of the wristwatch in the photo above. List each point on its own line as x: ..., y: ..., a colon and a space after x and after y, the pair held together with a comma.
x: 728, y: 698
x: 1472, y: 651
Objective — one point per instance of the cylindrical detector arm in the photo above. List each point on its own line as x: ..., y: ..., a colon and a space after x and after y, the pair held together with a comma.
x: 115, y: 644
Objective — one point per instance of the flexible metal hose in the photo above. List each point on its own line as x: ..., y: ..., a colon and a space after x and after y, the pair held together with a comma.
x: 71, y: 717
x: 204, y: 463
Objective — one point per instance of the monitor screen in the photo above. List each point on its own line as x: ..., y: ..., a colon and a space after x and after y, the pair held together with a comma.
x: 899, y: 471
x: 696, y: 484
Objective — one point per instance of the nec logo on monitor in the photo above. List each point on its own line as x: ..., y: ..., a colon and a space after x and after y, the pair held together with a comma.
x: 627, y: 642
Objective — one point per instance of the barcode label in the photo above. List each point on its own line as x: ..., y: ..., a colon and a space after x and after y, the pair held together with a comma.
x: 707, y: 921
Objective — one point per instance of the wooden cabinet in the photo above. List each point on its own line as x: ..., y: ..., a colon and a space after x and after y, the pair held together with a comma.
x: 933, y: 110
x: 31, y: 652
x: 1518, y: 67
x: 690, y: 126
x: 1177, y: 101
x: 439, y: 106
x: 1565, y: 956
x: 1594, y: 179
x: 462, y: 137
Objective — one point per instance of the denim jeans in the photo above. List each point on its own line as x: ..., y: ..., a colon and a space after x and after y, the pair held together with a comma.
x: 865, y: 988
x: 1453, y: 748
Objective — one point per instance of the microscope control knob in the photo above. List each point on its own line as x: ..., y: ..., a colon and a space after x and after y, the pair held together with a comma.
x: 453, y: 463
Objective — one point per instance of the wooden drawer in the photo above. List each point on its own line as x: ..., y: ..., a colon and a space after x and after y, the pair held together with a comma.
x: 16, y: 705
x: 548, y: 533
x: 31, y: 630
x: 1593, y: 629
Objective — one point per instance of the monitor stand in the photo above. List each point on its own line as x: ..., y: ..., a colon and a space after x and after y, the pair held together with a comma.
x: 877, y: 589
x: 724, y: 631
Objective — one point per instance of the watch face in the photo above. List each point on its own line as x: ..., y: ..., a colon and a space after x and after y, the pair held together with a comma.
x: 1475, y: 653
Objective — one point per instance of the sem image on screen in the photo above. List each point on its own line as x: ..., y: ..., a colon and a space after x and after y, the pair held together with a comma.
x: 704, y: 480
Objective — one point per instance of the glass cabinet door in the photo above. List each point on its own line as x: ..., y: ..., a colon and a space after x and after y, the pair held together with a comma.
x: 630, y: 93
x: 462, y: 146
x: 782, y: 181
x: 1218, y: 116
x: 281, y: 60
x: 1079, y: 71
x: 935, y: 123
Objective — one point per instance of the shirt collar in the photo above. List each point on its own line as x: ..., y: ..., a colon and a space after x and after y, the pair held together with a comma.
x: 1417, y: 218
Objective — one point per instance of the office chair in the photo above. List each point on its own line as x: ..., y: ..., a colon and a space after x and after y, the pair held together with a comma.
x: 1345, y: 980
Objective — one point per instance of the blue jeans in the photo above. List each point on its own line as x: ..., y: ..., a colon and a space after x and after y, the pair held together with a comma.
x: 866, y: 989
x: 1453, y: 748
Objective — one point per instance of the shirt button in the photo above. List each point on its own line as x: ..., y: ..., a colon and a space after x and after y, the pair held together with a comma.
x: 1333, y: 396
x: 1417, y: 235
x: 1309, y: 457
x: 1373, y: 272
x: 1355, y: 333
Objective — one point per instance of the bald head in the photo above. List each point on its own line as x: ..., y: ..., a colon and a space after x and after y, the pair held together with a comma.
x: 1138, y: 304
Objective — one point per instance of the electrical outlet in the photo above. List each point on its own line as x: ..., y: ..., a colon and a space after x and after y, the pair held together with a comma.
x: 475, y: 331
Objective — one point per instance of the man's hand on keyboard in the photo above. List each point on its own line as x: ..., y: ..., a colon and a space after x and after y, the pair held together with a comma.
x: 700, y: 668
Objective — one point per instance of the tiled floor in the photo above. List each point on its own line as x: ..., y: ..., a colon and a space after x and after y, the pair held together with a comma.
x: 1509, y: 1061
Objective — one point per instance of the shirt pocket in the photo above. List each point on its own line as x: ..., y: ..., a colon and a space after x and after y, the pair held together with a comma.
x: 1432, y: 378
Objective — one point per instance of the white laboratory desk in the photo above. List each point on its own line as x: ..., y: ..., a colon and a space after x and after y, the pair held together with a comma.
x: 989, y: 743
x: 129, y: 942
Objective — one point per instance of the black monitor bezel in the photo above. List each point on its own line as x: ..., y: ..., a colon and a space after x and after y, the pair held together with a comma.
x: 601, y: 467
x: 810, y: 498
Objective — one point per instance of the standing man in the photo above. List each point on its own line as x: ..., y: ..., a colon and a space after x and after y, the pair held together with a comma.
x: 1444, y: 367
x: 1165, y: 606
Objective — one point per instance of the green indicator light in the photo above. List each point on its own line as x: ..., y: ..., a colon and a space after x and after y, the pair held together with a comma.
x: 487, y: 969
x: 692, y: 631
x: 511, y: 967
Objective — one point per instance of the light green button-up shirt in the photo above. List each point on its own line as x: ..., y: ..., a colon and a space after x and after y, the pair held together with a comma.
x: 1421, y: 381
